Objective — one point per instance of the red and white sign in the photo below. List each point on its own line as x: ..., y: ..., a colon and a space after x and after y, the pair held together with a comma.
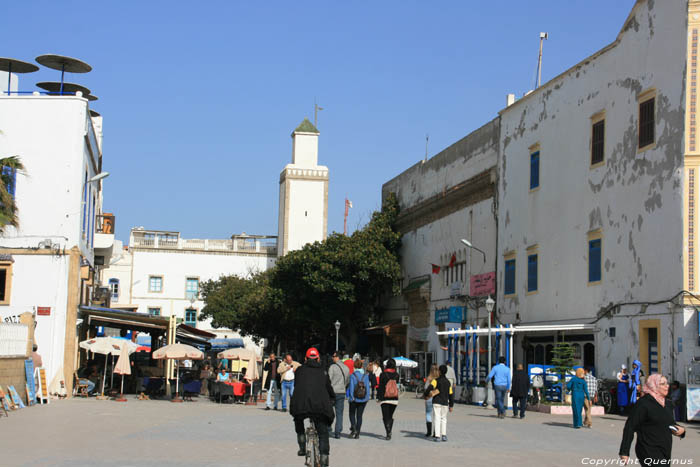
x: 43, y: 311
x: 482, y: 284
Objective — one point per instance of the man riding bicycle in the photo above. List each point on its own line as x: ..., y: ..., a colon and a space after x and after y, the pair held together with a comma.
x: 313, y: 399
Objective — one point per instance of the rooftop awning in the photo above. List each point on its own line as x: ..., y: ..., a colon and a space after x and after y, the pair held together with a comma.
x: 416, y: 284
x: 383, y: 326
x: 120, y: 319
x: 193, y: 336
x: 224, y: 344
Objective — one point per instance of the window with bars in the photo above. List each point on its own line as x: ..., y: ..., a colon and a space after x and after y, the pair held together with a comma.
x: 598, y: 143
x: 192, y: 288
x: 155, y: 284
x: 646, y: 122
x: 191, y: 317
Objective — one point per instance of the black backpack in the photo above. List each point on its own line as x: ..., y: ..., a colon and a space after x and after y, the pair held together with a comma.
x: 360, y: 391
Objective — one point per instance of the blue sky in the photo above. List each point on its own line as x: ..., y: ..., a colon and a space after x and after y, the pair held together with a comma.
x: 199, y: 98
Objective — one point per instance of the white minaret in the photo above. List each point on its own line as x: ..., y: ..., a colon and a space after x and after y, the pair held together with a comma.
x: 303, y: 216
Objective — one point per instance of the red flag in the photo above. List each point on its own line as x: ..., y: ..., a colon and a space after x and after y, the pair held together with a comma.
x: 453, y: 260
x: 436, y: 269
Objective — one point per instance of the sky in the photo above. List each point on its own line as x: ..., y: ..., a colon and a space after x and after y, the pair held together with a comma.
x: 199, y: 99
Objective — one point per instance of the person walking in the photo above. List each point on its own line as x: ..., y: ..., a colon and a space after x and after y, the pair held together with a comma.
x: 388, y: 395
x: 592, y: 385
x: 451, y: 377
x: 519, y: 390
x: 442, y: 395
x: 312, y: 399
x: 652, y: 420
x: 433, y: 375
x: 635, y: 382
x: 272, y: 382
x: 501, y: 384
x: 623, y: 384
x: 340, y: 379
x: 287, y: 369
x: 358, y: 395
x: 579, y: 394
x: 377, y: 373
x: 677, y: 400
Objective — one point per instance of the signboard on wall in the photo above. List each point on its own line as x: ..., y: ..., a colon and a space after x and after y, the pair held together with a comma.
x: 43, y: 311
x: 453, y: 314
x: 482, y: 284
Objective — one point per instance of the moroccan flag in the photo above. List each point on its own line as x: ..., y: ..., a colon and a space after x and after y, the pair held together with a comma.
x: 436, y: 269
x: 453, y: 260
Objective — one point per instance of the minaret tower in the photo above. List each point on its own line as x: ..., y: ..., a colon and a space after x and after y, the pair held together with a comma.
x: 303, y: 215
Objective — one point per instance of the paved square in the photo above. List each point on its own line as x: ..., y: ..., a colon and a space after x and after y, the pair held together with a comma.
x: 159, y: 433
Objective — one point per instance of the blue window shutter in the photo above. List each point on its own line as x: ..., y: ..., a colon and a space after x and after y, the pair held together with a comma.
x: 531, y: 273
x: 11, y: 175
x: 594, y: 260
x: 85, y: 200
x: 509, y: 287
x: 534, y: 170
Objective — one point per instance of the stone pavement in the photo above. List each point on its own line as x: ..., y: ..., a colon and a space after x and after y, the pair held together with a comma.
x: 154, y: 433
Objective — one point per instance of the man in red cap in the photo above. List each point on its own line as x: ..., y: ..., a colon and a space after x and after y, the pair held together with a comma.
x: 312, y: 399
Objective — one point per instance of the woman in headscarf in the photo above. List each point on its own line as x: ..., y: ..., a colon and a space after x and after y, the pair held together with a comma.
x: 652, y: 420
x: 579, y: 392
x: 635, y: 381
x: 623, y: 382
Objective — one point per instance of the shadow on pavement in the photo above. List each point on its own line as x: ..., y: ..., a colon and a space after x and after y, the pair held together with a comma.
x: 371, y: 435
x: 567, y: 425
x: 414, y: 434
x: 485, y: 416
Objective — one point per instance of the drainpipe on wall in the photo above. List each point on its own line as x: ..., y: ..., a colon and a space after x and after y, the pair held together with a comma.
x: 672, y: 310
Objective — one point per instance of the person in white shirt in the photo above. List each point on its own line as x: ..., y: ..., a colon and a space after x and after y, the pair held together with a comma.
x: 287, y: 369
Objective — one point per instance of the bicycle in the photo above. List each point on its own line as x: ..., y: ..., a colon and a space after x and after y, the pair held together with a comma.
x: 313, y: 452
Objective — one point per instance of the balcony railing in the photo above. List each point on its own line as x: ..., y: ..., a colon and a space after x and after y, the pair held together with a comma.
x: 104, y: 223
x: 265, y: 245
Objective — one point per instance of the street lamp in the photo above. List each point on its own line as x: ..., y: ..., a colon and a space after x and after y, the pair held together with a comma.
x: 337, y: 328
x: 99, y: 177
x: 489, y: 308
x: 469, y: 245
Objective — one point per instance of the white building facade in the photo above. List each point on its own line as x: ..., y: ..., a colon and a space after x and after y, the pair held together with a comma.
x: 160, y: 272
x: 303, y: 198
x: 443, y: 200
x: 49, y: 261
x: 597, y: 201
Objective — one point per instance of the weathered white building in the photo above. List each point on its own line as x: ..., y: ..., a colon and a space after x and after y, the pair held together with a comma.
x: 48, y: 264
x: 160, y: 272
x: 443, y: 200
x: 598, y: 186
x: 303, y: 200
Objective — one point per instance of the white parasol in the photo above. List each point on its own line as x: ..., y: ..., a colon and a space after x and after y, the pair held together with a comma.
x: 178, y: 352
x: 123, y: 368
x: 107, y: 346
x: 246, y: 355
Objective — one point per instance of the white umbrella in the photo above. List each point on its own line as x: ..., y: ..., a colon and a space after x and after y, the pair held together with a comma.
x: 404, y: 362
x: 107, y: 346
x: 123, y: 368
x: 178, y: 352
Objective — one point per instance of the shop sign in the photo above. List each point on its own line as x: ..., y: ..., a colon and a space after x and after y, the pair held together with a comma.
x: 482, y: 284
x: 43, y: 311
x: 453, y: 314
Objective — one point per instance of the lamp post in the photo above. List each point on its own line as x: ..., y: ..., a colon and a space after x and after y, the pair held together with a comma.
x: 469, y: 245
x: 489, y: 308
x: 337, y: 328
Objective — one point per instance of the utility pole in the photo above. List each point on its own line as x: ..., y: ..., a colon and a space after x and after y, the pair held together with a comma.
x: 543, y: 37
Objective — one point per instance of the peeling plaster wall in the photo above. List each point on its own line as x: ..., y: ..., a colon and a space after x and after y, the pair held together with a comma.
x: 635, y: 198
x: 436, y: 241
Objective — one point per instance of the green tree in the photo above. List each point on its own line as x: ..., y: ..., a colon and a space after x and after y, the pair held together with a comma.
x: 563, y: 362
x: 10, y: 166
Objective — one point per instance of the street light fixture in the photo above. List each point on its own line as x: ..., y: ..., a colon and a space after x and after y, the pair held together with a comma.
x: 99, y: 177
x: 489, y: 308
x: 337, y: 328
x: 469, y: 245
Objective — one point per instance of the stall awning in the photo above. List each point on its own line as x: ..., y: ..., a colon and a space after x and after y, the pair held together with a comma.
x: 225, y: 344
x: 193, y: 336
x: 383, y: 327
x: 120, y: 319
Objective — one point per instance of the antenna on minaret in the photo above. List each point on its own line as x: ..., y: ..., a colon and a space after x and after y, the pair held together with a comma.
x: 427, y: 137
x: 543, y: 37
x: 316, y: 109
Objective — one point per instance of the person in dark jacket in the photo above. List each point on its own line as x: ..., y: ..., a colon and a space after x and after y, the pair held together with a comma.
x: 443, y: 397
x: 313, y: 398
x: 520, y: 387
x: 272, y: 382
x: 652, y: 420
x: 388, y: 385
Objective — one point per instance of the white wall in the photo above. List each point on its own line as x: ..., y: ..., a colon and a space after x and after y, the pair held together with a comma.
x: 305, y: 150
x: 634, y: 198
x: 306, y: 205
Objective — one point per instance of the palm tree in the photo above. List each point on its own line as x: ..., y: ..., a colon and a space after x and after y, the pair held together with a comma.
x: 8, y: 209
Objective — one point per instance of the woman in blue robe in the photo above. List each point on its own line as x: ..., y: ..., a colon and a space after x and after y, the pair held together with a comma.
x: 579, y: 392
x: 623, y: 382
x: 635, y: 381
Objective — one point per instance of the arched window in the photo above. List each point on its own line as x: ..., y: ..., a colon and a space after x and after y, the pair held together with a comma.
x: 577, y: 354
x: 548, y: 354
x: 530, y: 355
x: 589, y: 355
x: 539, y: 354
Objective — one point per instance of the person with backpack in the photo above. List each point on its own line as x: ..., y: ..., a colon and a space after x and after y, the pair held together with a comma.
x: 388, y: 395
x: 357, y: 395
x: 340, y: 379
x: 440, y: 391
